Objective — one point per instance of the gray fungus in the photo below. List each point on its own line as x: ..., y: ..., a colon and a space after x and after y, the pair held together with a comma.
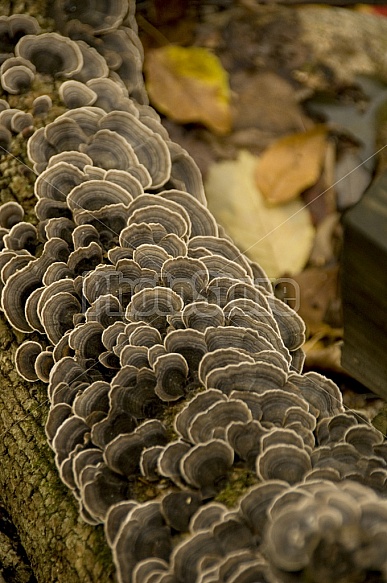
x: 168, y: 358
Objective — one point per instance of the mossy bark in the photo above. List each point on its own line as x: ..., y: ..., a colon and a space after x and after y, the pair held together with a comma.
x: 48, y: 540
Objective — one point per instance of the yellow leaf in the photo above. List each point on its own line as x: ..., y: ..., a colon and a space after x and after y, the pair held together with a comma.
x: 291, y: 164
x: 189, y: 85
x: 279, y: 238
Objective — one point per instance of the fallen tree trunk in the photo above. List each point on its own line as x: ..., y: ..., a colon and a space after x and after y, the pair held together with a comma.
x: 43, y: 538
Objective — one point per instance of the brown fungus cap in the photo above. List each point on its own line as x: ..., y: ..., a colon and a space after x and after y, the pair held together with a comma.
x: 168, y: 463
x: 51, y: 54
x: 25, y: 360
x: 214, y: 422
x: 76, y: 94
x: 123, y: 453
x: 142, y: 534
x: 17, y: 78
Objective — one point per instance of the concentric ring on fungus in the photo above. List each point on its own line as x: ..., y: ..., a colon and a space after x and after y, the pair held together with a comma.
x: 172, y: 368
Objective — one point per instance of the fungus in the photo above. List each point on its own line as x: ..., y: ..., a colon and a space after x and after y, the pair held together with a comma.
x: 22, y: 283
x: 219, y: 266
x: 168, y: 461
x: 220, y: 358
x: 69, y: 434
x: 255, y: 376
x: 25, y: 359
x: 283, y: 462
x: 125, y: 180
x: 178, y: 508
x: 252, y: 400
x: 51, y: 54
x: 150, y: 148
x: 85, y: 259
x: 17, y: 262
x: 201, y: 402
x: 57, y: 315
x: 43, y: 365
x: 188, y: 555
x: 41, y: 105
x: 201, y: 315
x: 153, y: 306
x: 171, y: 371
x: 16, y: 78
x: 232, y: 534
x: 331, y: 511
x: 21, y: 236
x: 123, y: 453
x: 5, y: 139
x: 94, y: 65
x: 142, y: 534
x: 141, y: 400
x: 185, y: 174
x: 117, y: 422
x: 66, y: 371
x: 75, y: 94
x: 125, y: 46
x: 213, y: 422
x: 95, y: 194
x: 148, y: 462
x: 22, y: 123
x: 186, y: 276
x: 223, y: 247
x: 136, y: 356
x: 275, y: 405
x: 291, y: 326
x: 101, y: 489
x: 115, y: 517
x: 245, y: 439
x: 109, y: 150
x: 149, y: 569
x: 364, y: 438
x: 143, y: 335
x: 57, y: 415
x: 206, y: 465
x: 150, y: 257
x: 320, y: 392
x: 94, y: 398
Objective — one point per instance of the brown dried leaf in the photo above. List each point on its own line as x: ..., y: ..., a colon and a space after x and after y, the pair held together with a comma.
x: 291, y: 164
x: 317, y: 293
x: 189, y: 85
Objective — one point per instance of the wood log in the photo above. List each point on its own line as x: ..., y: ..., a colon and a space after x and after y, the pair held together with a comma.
x: 54, y: 543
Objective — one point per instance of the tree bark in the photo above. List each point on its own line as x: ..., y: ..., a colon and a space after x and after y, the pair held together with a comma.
x: 54, y: 543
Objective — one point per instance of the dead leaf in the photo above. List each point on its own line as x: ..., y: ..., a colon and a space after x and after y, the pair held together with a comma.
x: 291, y: 164
x: 325, y: 358
x: 189, y: 85
x: 317, y: 291
x: 278, y: 238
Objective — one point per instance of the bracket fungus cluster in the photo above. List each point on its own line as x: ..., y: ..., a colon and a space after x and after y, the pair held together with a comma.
x: 168, y: 359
